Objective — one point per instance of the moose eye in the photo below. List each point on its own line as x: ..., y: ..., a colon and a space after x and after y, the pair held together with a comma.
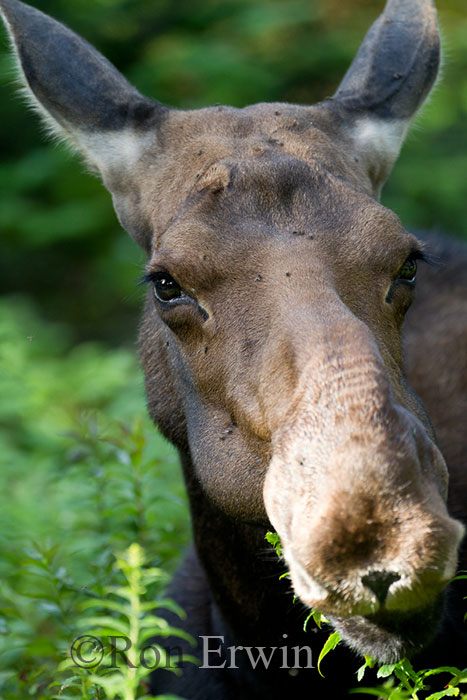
x: 408, y: 271
x: 166, y: 288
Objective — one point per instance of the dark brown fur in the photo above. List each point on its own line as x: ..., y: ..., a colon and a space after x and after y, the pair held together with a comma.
x: 279, y: 371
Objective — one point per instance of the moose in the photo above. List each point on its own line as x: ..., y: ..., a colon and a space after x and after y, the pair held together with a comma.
x: 277, y: 359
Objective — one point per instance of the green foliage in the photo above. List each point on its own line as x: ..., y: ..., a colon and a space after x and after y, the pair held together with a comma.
x: 121, y: 613
x: 369, y: 663
x: 81, y: 479
x: 274, y: 539
x: 318, y: 618
x: 330, y: 644
x: 406, y: 684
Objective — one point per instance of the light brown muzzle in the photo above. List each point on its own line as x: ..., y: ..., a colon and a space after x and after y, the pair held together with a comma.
x: 356, y: 488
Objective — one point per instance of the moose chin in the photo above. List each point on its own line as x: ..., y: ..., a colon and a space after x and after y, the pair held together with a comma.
x: 389, y: 636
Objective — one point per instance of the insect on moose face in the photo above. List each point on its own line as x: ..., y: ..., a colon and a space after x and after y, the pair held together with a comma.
x: 277, y: 287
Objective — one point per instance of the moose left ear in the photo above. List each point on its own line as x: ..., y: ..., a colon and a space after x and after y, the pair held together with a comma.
x: 387, y: 82
x: 85, y: 100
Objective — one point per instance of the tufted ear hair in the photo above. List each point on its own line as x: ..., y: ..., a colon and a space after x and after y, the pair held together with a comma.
x: 387, y: 82
x: 84, y: 99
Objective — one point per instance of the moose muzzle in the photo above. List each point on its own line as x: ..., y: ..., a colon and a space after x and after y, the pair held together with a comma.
x: 356, y: 488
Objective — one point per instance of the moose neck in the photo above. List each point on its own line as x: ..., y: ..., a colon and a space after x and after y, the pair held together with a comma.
x: 242, y: 569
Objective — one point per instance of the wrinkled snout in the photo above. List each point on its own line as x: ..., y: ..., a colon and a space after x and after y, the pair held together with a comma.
x: 360, y: 552
x: 356, y: 490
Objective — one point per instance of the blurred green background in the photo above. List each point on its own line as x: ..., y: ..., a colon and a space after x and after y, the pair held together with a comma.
x: 82, y: 473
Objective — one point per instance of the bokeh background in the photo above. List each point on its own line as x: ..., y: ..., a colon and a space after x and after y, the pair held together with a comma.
x: 82, y: 474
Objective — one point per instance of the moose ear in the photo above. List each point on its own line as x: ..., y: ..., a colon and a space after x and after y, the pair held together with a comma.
x: 83, y: 98
x: 388, y: 80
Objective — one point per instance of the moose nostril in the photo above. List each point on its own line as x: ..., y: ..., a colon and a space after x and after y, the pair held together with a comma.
x: 379, y: 582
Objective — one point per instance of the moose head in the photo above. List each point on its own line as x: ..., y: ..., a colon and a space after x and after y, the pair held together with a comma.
x: 277, y: 289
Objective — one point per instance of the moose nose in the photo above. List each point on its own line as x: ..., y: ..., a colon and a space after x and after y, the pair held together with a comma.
x: 380, y: 582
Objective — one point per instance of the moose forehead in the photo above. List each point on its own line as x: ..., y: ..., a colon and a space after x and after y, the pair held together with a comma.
x: 222, y: 175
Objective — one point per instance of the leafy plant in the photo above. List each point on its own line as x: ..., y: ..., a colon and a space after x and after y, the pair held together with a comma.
x: 406, y: 684
x: 81, y: 479
x: 125, y: 612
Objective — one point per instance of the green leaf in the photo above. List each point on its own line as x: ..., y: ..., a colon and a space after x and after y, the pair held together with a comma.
x: 456, y: 672
x: 308, y: 618
x: 154, y: 631
x: 274, y: 539
x: 380, y: 692
x: 369, y: 663
x: 114, y: 605
x: 103, y: 621
x: 166, y: 604
x: 447, y: 692
x: 407, y: 668
x: 330, y: 644
x: 386, y: 670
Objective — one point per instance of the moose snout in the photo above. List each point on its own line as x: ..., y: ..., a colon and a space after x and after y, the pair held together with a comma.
x: 359, y: 556
x: 356, y: 486
x: 362, y: 518
x: 356, y: 545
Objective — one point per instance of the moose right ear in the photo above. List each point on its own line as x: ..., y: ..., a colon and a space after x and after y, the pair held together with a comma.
x: 84, y: 99
x: 388, y: 80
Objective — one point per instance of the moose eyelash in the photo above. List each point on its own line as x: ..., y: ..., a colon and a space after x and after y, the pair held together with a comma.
x: 147, y: 278
x: 152, y: 277
x: 425, y: 257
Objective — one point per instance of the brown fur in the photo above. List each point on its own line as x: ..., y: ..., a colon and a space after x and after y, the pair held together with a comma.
x: 279, y: 374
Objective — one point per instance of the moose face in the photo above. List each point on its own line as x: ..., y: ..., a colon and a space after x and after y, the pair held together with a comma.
x: 277, y: 288
x: 277, y: 293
